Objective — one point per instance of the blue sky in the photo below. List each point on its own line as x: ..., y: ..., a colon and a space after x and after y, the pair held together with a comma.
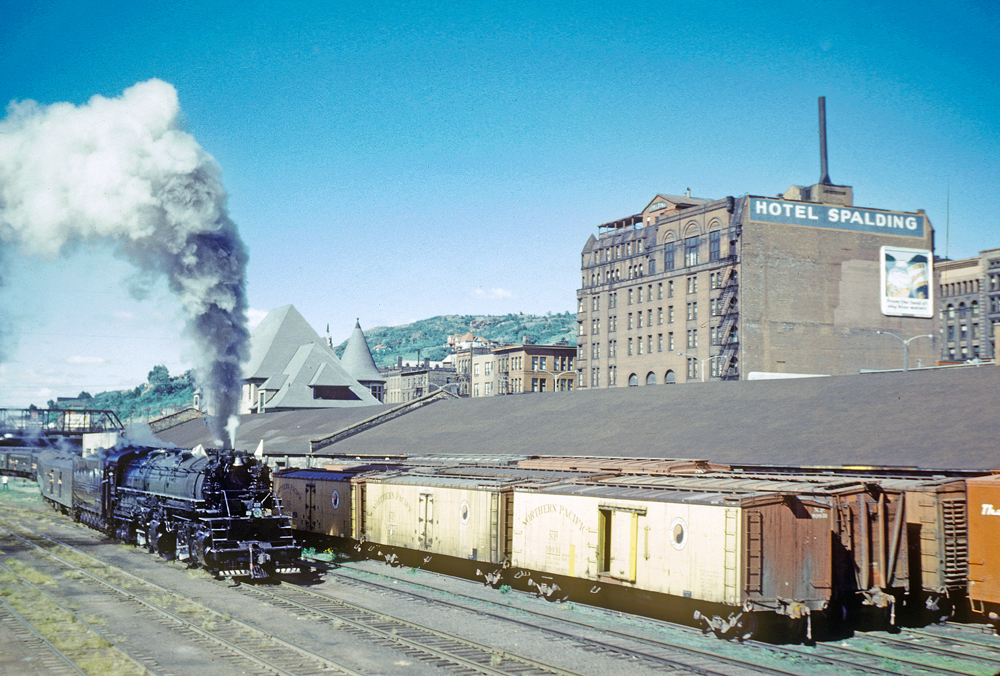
x: 392, y: 161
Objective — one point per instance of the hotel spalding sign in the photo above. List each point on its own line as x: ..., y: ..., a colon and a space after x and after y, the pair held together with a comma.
x: 837, y: 217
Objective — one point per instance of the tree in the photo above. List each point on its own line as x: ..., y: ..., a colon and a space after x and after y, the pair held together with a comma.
x: 84, y: 395
x: 159, y: 375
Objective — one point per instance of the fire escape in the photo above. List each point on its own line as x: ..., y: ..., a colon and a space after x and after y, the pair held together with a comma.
x: 729, y: 303
x: 729, y: 341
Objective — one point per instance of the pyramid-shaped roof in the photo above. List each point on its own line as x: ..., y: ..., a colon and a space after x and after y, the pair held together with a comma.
x: 311, y: 369
x: 357, y: 358
x: 275, y: 341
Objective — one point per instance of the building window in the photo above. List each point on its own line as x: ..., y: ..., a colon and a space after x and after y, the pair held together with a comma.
x: 631, y: 296
x: 475, y: 369
x: 691, y: 251
x: 630, y: 347
x: 659, y: 291
x: 692, y: 309
x: 630, y: 320
x: 595, y: 377
x: 534, y: 363
x: 475, y: 390
x: 596, y: 303
x: 595, y: 351
x: 692, y: 284
x: 692, y: 338
x: 714, y: 246
x: 542, y: 363
x: 633, y: 380
x: 612, y: 349
x: 640, y: 344
x: 670, y: 342
x: 668, y: 256
x: 612, y: 323
x: 659, y: 316
x: 649, y: 344
x: 670, y: 289
x: 659, y: 342
x: 640, y: 320
x: 692, y: 368
x: 670, y: 314
x: 649, y: 317
x: 612, y: 375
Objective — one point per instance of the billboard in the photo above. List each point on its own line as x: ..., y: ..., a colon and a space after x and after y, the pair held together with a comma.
x: 906, y: 289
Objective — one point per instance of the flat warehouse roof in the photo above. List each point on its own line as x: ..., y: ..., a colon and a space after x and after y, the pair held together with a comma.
x: 941, y: 418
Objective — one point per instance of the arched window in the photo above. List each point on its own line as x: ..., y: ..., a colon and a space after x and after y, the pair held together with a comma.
x: 951, y: 311
x: 650, y: 378
x: 669, y: 378
x: 633, y: 380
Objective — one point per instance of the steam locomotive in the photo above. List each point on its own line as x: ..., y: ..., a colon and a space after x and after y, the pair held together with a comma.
x: 210, y: 508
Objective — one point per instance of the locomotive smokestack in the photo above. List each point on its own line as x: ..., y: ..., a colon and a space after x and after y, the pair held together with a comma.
x: 124, y: 171
x: 824, y: 174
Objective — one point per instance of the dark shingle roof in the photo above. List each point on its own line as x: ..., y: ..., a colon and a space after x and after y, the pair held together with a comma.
x: 932, y: 419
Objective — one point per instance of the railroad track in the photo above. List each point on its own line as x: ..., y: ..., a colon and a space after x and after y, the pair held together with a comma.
x: 270, y: 654
x: 866, y: 654
x: 223, y: 636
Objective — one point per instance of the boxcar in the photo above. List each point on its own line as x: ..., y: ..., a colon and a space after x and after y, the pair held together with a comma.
x: 720, y: 551
x: 318, y: 501
x: 455, y: 516
x: 984, y: 534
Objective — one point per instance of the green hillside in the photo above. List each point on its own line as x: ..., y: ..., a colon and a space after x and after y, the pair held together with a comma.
x: 161, y: 391
x: 428, y: 338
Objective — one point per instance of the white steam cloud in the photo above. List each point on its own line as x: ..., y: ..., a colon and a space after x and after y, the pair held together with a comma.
x: 123, y: 170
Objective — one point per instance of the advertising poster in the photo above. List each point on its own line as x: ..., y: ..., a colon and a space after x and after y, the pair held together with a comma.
x: 907, y: 288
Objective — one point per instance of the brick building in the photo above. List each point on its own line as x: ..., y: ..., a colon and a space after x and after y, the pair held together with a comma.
x: 751, y: 287
x: 515, y: 369
x: 969, y: 306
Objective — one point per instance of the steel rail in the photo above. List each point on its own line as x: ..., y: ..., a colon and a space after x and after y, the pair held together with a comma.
x: 949, y: 652
x: 77, y: 618
x: 262, y: 662
x: 658, y: 659
x: 25, y: 624
x: 396, y: 638
x: 820, y: 653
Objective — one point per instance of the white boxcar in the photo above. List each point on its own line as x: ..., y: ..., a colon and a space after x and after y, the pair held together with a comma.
x: 452, y: 516
x: 682, y: 544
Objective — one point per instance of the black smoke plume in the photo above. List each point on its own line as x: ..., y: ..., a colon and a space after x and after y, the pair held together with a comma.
x: 123, y: 170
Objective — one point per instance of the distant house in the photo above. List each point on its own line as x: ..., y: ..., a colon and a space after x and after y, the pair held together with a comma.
x: 292, y: 368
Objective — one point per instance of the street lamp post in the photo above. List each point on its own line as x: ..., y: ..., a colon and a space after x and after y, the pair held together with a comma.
x: 557, y: 376
x: 906, y: 345
x: 701, y: 366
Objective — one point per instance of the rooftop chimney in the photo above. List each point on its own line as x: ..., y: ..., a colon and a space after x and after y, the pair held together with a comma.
x: 824, y: 174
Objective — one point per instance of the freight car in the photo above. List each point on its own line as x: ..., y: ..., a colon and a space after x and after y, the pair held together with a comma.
x: 984, y: 534
x: 671, y: 549
x: 678, y: 536
x: 209, y: 508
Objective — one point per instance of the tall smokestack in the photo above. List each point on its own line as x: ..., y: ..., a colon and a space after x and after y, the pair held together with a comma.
x: 824, y: 174
x: 123, y: 170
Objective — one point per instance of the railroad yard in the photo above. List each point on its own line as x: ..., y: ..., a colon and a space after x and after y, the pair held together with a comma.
x: 73, y: 601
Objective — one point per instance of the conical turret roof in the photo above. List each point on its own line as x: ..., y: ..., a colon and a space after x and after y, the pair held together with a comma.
x: 357, y: 358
